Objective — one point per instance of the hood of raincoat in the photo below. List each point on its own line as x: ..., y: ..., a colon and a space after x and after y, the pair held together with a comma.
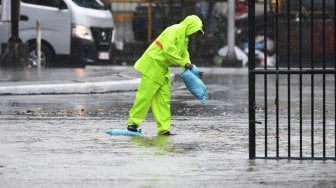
x: 192, y: 24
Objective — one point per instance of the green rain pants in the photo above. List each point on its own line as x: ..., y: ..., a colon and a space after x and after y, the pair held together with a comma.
x: 152, y: 95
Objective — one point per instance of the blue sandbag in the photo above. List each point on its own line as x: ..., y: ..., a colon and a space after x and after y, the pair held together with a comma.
x: 194, y: 84
x: 119, y: 132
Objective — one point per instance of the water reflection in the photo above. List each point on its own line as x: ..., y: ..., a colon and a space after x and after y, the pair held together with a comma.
x: 15, y: 75
x: 80, y: 72
x: 164, y: 145
x: 53, y: 74
x: 160, y: 143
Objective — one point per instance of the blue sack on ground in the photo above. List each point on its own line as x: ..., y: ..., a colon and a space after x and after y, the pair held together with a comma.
x: 120, y: 132
x: 194, y: 84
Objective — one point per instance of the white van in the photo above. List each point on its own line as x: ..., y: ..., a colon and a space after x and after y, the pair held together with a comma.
x: 80, y: 29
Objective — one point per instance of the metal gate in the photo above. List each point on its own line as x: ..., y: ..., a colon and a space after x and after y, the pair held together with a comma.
x: 292, y: 99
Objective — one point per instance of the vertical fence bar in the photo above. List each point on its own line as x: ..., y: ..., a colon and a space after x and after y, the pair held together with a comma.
x: 150, y: 22
x: 324, y: 87
x: 277, y: 115
x: 265, y: 75
x: 251, y: 55
x: 335, y: 74
x: 312, y: 76
x: 288, y: 78
x: 300, y: 66
x: 277, y: 77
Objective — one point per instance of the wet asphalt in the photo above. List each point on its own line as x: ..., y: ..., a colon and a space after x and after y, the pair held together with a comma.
x: 59, y: 140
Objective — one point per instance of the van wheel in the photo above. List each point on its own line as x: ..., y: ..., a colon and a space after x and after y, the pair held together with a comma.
x: 46, y: 56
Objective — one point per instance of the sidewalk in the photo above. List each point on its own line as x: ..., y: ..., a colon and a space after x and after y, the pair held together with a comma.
x: 92, y: 79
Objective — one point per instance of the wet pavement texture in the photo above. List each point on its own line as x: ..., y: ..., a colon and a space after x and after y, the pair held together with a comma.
x: 60, y: 141
x: 66, y: 75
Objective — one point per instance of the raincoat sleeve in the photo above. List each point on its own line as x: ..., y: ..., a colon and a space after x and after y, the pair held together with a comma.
x: 186, y: 56
x: 175, y: 50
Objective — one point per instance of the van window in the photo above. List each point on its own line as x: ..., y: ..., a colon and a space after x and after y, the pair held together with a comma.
x: 95, y: 4
x: 49, y: 3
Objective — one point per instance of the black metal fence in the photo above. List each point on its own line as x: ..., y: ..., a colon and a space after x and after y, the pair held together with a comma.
x: 292, y: 103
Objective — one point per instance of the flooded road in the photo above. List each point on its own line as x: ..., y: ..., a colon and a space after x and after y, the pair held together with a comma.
x: 60, y: 141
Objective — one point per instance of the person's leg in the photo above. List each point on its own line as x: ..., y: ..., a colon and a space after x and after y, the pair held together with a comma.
x: 161, y: 108
x: 143, y: 100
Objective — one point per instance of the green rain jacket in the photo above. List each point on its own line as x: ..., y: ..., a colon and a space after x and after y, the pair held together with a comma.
x: 169, y: 49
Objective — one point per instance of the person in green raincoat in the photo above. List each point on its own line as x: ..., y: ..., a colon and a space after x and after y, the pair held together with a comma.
x: 169, y: 49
